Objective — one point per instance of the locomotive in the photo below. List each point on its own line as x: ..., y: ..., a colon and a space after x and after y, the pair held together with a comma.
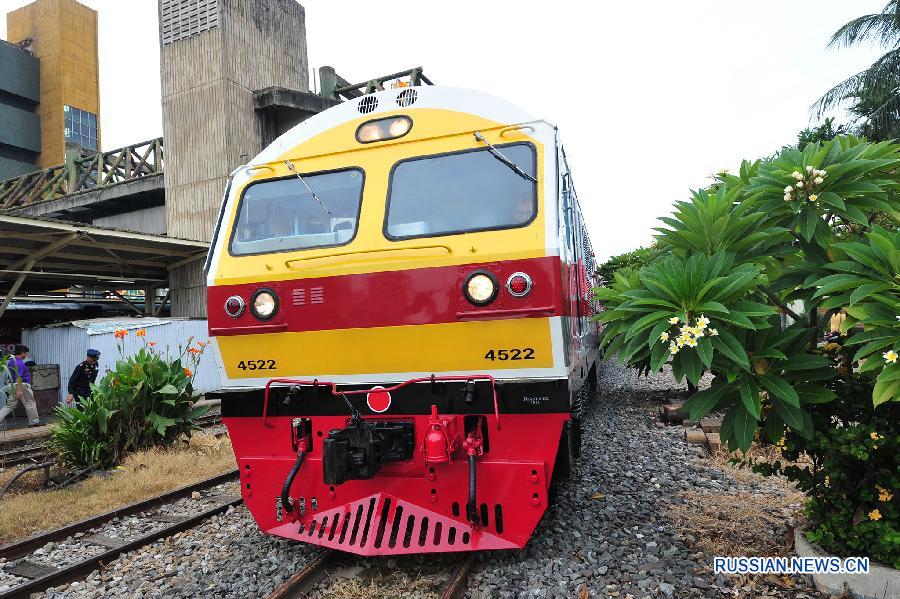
x: 399, y: 288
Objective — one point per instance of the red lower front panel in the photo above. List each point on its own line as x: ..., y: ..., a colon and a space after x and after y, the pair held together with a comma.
x: 408, y: 507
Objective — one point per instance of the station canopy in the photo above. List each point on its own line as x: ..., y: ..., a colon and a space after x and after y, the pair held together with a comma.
x: 38, y: 255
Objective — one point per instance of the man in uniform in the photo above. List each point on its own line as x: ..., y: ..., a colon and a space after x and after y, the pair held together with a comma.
x: 82, y: 377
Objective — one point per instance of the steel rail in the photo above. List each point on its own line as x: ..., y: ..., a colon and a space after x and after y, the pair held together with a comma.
x: 25, y: 546
x: 304, y: 580
x: 81, y: 569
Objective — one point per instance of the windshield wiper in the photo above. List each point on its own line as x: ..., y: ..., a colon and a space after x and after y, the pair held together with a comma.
x: 290, y: 166
x: 499, y: 156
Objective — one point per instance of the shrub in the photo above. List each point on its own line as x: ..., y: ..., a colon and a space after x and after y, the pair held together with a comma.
x: 797, y: 229
x: 146, y: 400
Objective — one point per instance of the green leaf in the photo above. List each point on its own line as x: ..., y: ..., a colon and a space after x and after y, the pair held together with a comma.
x: 169, y: 389
x: 885, y: 391
x: 750, y: 398
x: 780, y: 389
x: 832, y: 199
x: 728, y: 345
x: 744, y: 425
x: 701, y: 403
x: 791, y: 414
x: 814, y: 394
x: 655, y: 333
x: 799, y: 362
x: 690, y: 364
x: 810, y: 223
x: 705, y: 351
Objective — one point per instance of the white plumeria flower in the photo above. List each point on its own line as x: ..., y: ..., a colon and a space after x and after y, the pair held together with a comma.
x: 818, y: 180
x: 691, y: 342
x: 673, y: 349
x: 799, y: 184
x: 797, y: 175
x: 702, y: 322
x: 673, y: 320
x: 698, y: 332
x: 787, y: 197
x: 713, y: 333
x: 788, y: 189
x: 813, y: 197
x: 664, y: 336
x: 890, y: 356
x: 679, y: 342
x: 898, y: 318
x: 809, y: 169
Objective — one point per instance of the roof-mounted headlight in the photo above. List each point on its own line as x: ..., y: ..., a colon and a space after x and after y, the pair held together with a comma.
x: 383, y: 129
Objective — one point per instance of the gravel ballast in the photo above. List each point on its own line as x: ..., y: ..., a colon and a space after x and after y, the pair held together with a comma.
x: 608, y: 535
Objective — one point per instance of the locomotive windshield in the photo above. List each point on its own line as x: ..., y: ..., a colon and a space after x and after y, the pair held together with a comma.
x: 283, y: 214
x: 461, y: 192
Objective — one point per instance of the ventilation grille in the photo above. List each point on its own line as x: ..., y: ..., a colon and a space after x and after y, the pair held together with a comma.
x: 367, y: 104
x: 381, y: 524
x: 407, y: 97
x: 180, y: 19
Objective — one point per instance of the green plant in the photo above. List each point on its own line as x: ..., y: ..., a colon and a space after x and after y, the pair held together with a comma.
x: 146, y: 400
x: 631, y: 260
x: 791, y: 238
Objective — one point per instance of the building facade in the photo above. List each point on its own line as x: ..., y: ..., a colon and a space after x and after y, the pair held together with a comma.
x: 20, y: 125
x: 62, y: 36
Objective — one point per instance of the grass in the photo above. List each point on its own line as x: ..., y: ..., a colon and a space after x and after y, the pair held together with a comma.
x: 141, y: 476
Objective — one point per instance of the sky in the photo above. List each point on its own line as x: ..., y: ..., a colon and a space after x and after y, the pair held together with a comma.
x: 650, y: 98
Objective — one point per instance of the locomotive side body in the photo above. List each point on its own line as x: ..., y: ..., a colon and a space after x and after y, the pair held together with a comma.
x: 398, y: 293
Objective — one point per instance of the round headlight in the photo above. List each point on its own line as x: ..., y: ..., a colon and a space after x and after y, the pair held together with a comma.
x: 264, y: 304
x: 480, y: 288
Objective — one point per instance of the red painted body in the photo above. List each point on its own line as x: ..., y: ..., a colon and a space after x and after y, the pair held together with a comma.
x: 392, y: 298
x: 409, y: 506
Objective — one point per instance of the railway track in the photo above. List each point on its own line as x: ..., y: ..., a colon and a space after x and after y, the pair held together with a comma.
x: 37, y: 453
x: 20, y: 557
x: 326, y: 568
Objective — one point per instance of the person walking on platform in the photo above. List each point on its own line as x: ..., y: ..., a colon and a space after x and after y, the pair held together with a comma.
x: 82, y: 377
x: 19, y: 389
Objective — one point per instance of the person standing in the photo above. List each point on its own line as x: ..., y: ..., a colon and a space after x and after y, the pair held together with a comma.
x: 84, y: 375
x: 20, y: 387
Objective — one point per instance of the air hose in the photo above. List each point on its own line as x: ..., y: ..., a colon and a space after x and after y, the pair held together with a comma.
x: 471, y: 506
x: 286, y: 488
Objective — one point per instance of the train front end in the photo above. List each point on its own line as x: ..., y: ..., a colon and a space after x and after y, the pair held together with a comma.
x: 390, y: 309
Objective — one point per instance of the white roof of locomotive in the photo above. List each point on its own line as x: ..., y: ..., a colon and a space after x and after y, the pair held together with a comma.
x: 427, y: 96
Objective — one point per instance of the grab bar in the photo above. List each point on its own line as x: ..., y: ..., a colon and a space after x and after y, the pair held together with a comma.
x: 307, y: 259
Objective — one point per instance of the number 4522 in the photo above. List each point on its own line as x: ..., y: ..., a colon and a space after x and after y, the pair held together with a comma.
x: 525, y: 353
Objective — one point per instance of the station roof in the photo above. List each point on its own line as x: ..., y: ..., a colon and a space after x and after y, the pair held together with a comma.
x: 39, y: 255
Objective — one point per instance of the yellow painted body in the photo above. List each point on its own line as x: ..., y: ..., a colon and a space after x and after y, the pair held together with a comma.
x: 415, y: 348
x: 433, y: 348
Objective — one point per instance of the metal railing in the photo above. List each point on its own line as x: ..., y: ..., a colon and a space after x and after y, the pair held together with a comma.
x: 84, y: 174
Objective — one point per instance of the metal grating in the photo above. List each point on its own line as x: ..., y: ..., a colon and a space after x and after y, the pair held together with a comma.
x: 367, y: 104
x: 407, y: 97
x: 180, y: 19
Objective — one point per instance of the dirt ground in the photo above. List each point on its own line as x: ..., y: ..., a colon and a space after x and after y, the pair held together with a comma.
x: 25, y: 509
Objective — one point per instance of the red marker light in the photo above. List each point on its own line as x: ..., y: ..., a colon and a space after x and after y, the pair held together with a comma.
x: 234, y: 306
x: 518, y: 284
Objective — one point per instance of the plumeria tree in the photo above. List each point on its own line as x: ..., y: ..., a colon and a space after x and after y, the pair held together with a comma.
x: 146, y: 400
x: 757, y: 265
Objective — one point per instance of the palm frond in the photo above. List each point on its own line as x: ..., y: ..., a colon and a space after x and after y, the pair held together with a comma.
x: 882, y: 28
x: 879, y: 79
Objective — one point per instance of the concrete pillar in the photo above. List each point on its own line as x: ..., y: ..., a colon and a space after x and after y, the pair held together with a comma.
x: 214, y: 55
